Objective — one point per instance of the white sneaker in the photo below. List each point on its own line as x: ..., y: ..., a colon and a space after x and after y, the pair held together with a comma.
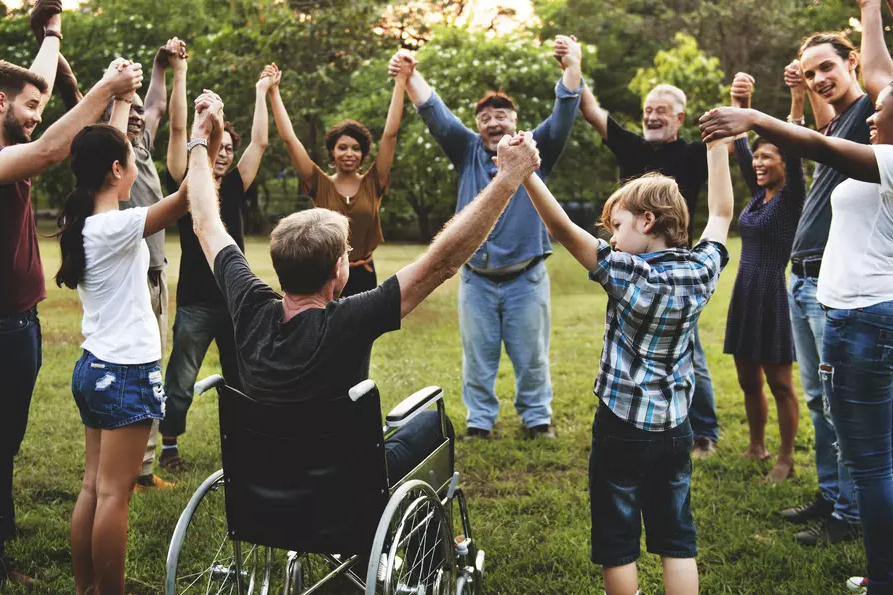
x: 857, y: 584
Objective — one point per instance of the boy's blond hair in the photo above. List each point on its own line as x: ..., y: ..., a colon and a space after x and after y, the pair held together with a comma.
x: 660, y: 195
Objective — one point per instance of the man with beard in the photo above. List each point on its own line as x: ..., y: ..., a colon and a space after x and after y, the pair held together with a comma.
x: 504, y: 288
x: 201, y: 314
x: 140, y: 124
x: 23, y: 96
x: 659, y: 149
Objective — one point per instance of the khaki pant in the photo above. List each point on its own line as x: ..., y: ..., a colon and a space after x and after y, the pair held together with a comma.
x: 159, y: 297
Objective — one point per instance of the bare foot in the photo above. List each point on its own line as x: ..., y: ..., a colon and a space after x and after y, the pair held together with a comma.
x: 781, y: 471
x: 757, y: 453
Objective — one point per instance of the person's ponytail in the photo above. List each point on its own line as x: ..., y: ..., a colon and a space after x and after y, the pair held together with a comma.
x: 94, y: 151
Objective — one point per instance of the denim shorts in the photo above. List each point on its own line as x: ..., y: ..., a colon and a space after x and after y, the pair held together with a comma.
x: 635, y: 475
x: 111, y: 395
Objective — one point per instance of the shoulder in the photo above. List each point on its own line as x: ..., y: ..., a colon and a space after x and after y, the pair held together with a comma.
x: 111, y: 223
x: 710, y: 252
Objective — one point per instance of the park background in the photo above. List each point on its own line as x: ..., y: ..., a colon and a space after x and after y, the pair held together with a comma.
x: 528, y: 499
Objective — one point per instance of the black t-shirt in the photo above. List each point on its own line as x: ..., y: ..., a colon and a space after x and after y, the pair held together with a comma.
x: 684, y: 161
x: 319, y: 353
x: 196, y: 284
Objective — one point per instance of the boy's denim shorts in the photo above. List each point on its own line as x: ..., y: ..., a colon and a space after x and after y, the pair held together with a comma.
x: 110, y: 395
x: 634, y: 475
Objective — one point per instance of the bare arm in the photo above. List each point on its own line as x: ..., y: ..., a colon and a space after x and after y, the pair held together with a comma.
x: 120, y: 115
x: 593, y: 112
x: 260, y: 130
x: 720, y: 198
x: 47, y: 60
x: 176, y: 146
x: 418, y: 89
x: 25, y: 160
x: 388, y: 144
x: 67, y: 84
x: 469, y: 228
x: 156, y: 95
x: 822, y: 111
x: 877, y: 66
x: 166, y: 211
x: 296, y: 150
x: 578, y: 241
x: 855, y: 160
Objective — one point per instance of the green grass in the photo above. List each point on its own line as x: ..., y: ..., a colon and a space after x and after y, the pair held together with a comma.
x: 528, y: 500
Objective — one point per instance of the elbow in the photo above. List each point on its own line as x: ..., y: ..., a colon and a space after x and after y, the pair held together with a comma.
x: 262, y: 143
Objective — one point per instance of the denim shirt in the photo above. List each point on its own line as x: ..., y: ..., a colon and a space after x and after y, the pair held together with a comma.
x: 519, y: 234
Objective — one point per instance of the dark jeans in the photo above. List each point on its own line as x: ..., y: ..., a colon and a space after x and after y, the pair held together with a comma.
x: 637, y: 476
x: 857, y: 378
x: 360, y: 280
x: 195, y: 326
x: 702, y: 411
x: 20, y: 344
x: 411, y: 444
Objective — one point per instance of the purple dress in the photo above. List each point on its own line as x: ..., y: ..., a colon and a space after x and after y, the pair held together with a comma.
x: 758, y: 327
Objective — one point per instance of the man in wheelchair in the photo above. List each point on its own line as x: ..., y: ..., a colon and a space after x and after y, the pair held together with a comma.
x: 309, y: 346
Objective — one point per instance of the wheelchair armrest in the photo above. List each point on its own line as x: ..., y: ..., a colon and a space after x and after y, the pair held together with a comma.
x: 208, y: 383
x: 413, y: 405
x: 360, y: 390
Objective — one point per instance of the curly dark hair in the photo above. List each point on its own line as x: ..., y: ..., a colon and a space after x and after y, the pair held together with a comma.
x: 237, y: 140
x: 354, y: 130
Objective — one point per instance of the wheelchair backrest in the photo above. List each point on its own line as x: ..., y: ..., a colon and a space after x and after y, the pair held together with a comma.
x: 307, y: 476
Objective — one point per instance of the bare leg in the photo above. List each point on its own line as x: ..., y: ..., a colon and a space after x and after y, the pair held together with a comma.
x: 680, y: 576
x: 82, y: 518
x: 780, y: 378
x: 621, y: 580
x: 120, y: 459
x: 750, y: 378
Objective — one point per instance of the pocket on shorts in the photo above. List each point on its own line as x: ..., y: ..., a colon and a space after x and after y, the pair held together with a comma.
x: 623, y: 461
x: 102, y: 385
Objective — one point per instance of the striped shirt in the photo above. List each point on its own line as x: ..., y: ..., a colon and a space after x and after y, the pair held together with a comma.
x: 646, y: 375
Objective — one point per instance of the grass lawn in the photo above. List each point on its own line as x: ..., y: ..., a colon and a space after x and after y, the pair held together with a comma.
x: 528, y: 500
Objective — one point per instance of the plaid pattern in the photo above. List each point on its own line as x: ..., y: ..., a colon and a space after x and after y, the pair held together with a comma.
x: 654, y: 300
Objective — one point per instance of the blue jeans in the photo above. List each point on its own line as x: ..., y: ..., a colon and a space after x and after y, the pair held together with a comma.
x: 808, y: 322
x: 702, y: 411
x: 857, y: 374
x: 411, y: 444
x: 516, y: 313
x: 195, y: 326
x: 20, y: 344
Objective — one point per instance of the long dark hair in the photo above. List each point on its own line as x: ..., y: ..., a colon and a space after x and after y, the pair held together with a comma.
x: 93, y: 152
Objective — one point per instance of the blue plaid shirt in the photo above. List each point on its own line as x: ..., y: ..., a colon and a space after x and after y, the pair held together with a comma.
x: 654, y: 300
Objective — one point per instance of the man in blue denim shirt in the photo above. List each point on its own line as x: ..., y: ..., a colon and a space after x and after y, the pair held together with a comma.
x: 504, y: 289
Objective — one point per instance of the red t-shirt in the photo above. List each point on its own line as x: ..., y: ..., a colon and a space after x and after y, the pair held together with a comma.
x: 21, y: 272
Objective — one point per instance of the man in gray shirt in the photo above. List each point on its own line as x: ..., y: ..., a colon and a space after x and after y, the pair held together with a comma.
x: 141, y: 127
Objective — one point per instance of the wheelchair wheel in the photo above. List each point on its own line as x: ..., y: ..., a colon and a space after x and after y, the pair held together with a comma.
x: 203, y: 559
x: 470, y: 566
x: 412, y: 553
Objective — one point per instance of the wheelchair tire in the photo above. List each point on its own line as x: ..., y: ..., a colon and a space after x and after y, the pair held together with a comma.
x: 413, y: 551
x: 202, y: 558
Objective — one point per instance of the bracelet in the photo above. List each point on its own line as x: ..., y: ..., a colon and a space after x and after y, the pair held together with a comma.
x: 801, y: 121
x: 195, y: 142
x: 51, y: 33
x: 124, y: 99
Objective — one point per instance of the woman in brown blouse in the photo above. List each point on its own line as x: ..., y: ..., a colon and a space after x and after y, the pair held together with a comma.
x: 355, y: 194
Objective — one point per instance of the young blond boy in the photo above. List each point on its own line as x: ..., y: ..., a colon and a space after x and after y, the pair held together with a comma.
x: 640, y: 465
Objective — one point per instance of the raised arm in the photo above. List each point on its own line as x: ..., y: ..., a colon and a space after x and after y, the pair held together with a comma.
x: 201, y: 192
x: 25, y: 160
x: 577, y: 240
x: 176, y: 145
x: 260, y: 127
x: 156, y: 95
x: 593, y: 112
x: 388, y: 144
x: 300, y: 158
x: 418, y: 89
x: 166, y: 211
x: 855, y: 160
x: 67, y: 84
x: 459, y: 238
x: 741, y: 96
x: 554, y: 132
x: 46, y: 17
x: 720, y: 198
x: 877, y: 66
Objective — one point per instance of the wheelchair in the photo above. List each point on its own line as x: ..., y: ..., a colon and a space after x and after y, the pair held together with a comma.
x: 304, y: 495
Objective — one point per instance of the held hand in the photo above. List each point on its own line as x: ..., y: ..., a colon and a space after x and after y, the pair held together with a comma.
x: 208, y: 115
x: 174, y: 51
x: 518, y: 156
x: 567, y: 51
x: 123, y: 78
x: 793, y: 78
x: 402, y: 66
x: 725, y: 122
x: 268, y: 78
x: 742, y: 90
x: 46, y: 15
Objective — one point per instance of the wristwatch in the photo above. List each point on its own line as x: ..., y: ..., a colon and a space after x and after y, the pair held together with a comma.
x: 193, y: 143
